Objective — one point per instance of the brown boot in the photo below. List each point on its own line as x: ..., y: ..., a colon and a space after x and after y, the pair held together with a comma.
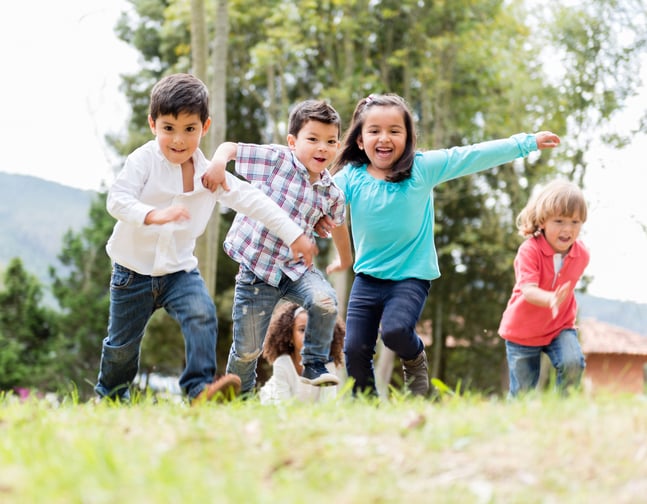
x: 222, y: 389
x: 416, y: 375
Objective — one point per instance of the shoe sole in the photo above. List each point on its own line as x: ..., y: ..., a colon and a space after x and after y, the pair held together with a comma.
x: 324, y: 380
x: 223, y: 389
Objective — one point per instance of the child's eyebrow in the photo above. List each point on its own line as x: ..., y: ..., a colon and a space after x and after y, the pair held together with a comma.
x: 390, y: 126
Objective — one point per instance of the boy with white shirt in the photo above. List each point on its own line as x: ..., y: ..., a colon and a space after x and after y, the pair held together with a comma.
x: 162, y: 208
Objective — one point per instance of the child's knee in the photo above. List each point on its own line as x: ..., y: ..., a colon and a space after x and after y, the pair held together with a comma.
x: 249, y: 356
x: 394, y: 335
x: 573, y: 364
x: 325, y: 303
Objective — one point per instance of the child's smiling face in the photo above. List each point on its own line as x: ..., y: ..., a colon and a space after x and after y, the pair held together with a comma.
x: 383, y: 138
x: 315, y: 146
x: 561, y: 231
x: 178, y: 137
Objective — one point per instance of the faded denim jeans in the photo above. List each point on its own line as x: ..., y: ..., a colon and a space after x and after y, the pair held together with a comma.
x: 254, y: 302
x: 524, y: 362
x: 133, y: 299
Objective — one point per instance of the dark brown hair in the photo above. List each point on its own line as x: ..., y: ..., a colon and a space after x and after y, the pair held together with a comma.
x: 312, y: 110
x: 179, y: 93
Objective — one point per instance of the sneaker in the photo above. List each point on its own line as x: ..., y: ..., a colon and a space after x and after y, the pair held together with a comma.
x: 315, y: 373
x: 222, y: 389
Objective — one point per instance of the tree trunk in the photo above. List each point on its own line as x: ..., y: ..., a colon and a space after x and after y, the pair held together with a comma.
x: 218, y: 132
x: 208, y: 245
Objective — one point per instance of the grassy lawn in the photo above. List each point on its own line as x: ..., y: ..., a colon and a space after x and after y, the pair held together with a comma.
x: 539, y: 449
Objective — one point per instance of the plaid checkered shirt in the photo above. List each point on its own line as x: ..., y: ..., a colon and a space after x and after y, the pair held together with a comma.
x: 279, y: 174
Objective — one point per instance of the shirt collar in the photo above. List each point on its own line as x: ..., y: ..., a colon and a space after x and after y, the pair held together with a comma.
x: 325, y: 179
x: 199, y: 160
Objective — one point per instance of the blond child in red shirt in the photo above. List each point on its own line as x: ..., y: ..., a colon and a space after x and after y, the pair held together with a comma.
x: 540, y: 315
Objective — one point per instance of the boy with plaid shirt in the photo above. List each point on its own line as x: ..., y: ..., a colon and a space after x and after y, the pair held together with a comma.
x: 297, y: 179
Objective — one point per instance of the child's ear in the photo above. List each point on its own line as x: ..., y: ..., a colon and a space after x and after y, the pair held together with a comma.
x: 151, y: 124
x: 360, y: 142
x: 291, y: 141
x: 205, y: 126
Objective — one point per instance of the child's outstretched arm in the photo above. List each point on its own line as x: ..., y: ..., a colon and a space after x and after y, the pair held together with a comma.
x: 546, y: 140
x: 255, y: 204
x: 214, y: 177
x: 548, y: 299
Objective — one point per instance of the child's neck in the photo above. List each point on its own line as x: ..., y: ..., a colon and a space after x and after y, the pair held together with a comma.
x: 314, y: 177
x: 188, y: 172
x: 376, y: 173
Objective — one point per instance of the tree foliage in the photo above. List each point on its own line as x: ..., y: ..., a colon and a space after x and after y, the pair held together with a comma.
x: 29, y: 337
x: 82, y: 291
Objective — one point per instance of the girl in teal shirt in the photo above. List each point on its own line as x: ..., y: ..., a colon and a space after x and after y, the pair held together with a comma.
x: 388, y: 186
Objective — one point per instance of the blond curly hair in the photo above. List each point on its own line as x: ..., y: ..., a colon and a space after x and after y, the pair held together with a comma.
x: 557, y: 198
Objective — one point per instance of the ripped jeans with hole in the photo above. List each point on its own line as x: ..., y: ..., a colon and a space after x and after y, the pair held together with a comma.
x: 254, y: 302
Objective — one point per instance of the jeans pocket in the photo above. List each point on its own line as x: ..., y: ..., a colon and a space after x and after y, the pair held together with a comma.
x: 121, y: 277
x: 245, y: 276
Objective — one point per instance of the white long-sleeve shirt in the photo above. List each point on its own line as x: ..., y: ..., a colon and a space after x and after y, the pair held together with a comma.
x: 148, y: 181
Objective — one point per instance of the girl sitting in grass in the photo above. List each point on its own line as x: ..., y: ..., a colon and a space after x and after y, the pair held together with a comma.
x: 282, y: 349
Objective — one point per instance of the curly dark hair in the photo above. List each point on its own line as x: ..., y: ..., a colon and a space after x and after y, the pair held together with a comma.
x: 278, y: 340
x: 337, y: 345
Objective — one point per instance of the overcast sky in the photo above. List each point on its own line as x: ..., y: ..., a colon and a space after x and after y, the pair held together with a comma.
x: 60, y: 98
x: 59, y: 86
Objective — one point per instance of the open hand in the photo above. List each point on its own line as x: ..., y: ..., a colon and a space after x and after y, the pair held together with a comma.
x: 558, y: 297
x: 546, y: 140
x: 174, y: 213
x: 304, y: 248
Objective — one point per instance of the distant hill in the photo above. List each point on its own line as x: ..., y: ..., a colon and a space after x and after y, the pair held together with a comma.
x: 34, y: 216
x: 626, y: 314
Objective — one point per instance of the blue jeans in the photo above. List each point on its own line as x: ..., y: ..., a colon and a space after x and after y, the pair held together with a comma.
x: 254, y: 302
x: 524, y: 362
x: 390, y: 307
x: 133, y: 299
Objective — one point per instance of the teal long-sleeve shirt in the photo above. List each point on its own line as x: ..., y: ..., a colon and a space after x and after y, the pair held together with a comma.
x: 393, y: 222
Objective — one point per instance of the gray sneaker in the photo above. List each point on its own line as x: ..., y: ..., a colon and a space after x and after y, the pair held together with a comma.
x: 416, y: 375
x: 315, y: 373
